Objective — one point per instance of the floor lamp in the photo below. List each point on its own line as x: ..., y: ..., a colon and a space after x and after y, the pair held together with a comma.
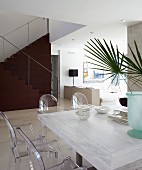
x: 73, y: 73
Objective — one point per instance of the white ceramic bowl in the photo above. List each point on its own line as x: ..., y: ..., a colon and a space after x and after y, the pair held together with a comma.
x: 102, y: 109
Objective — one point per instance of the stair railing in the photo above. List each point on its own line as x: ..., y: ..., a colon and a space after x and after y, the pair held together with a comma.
x: 22, y: 26
x: 28, y: 32
x: 30, y: 58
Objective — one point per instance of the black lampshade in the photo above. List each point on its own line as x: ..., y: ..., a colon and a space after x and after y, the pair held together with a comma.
x: 73, y: 72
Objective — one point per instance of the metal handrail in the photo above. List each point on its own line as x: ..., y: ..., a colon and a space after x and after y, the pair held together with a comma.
x: 20, y: 27
x: 29, y: 56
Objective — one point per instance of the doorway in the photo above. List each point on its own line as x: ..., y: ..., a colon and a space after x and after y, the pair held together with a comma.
x: 55, y: 81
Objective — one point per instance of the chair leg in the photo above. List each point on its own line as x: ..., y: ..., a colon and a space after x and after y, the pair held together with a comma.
x: 10, y: 157
x: 30, y: 165
x: 43, y: 130
x: 17, y: 164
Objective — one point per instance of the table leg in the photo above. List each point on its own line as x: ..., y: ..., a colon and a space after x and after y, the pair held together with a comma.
x: 78, y: 159
x: 42, y: 129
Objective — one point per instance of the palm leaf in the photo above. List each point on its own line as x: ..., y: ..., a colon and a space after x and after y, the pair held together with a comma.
x: 105, y: 57
x: 138, y: 54
x: 134, y: 56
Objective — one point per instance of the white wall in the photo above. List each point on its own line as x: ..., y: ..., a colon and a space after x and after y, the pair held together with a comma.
x: 73, y: 59
x: 10, y: 22
x: 70, y: 59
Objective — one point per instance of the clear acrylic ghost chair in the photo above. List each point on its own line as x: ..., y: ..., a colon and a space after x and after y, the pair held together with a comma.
x: 17, y: 145
x: 78, y: 99
x: 45, y: 161
x: 46, y: 101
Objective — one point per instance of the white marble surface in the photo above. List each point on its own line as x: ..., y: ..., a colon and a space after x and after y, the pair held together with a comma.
x: 101, y: 141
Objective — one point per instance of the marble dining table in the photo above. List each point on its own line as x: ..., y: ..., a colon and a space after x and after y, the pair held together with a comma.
x: 103, y: 142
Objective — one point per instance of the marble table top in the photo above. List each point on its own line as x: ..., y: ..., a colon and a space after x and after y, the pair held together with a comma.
x: 102, y: 142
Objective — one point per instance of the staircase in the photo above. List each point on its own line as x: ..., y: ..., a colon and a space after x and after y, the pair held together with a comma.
x: 24, y: 78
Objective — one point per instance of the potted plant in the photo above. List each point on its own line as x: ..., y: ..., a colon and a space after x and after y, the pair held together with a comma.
x: 103, y: 56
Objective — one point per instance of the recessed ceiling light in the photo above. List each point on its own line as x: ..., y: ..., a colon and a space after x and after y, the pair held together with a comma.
x: 91, y: 32
x: 123, y: 20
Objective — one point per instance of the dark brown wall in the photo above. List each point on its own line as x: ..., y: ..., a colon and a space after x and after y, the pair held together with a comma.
x: 40, y: 79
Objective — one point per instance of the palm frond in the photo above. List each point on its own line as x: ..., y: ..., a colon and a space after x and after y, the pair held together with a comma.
x: 138, y: 54
x: 105, y: 57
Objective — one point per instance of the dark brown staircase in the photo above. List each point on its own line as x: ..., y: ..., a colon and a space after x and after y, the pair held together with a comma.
x: 23, y: 80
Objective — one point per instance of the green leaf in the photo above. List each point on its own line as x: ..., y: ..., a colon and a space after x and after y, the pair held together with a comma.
x: 105, y: 57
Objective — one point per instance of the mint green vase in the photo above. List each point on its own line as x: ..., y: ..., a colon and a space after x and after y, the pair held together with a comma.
x: 135, y: 114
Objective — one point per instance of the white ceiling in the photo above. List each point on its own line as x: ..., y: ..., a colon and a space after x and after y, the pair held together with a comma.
x: 103, y: 17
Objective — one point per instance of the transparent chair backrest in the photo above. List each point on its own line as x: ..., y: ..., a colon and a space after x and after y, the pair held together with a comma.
x: 78, y: 99
x: 12, y: 134
x: 47, y: 100
x: 37, y: 159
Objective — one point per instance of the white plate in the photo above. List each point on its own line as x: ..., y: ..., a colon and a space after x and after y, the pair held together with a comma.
x: 102, y: 109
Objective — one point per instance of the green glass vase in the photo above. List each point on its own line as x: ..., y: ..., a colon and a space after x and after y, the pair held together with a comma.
x: 135, y: 114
